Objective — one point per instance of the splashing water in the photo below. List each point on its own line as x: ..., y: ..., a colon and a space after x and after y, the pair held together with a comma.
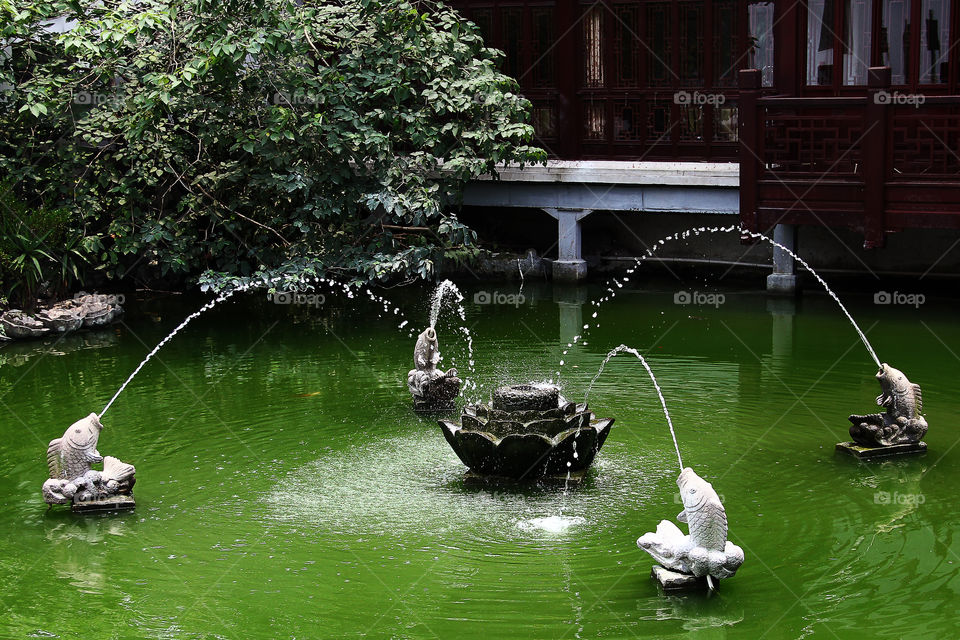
x: 443, y: 289
x: 663, y: 403
x: 447, y: 289
x: 308, y: 281
x: 551, y: 524
x: 618, y: 282
x: 520, y: 269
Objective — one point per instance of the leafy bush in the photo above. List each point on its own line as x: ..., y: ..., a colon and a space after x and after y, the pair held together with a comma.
x: 262, y: 135
x: 39, y: 248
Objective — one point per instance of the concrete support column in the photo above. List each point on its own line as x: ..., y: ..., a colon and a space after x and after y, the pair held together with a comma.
x: 570, y: 266
x: 783, y: 280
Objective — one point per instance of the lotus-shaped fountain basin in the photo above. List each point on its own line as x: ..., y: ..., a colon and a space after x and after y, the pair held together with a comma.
x: 529, y: 432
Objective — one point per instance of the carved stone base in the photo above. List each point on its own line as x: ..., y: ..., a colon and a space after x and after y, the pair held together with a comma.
x: 113, y: 503
x: 438, y: 406
x: 576, y: 477
x: 868, y: 453
x: 676, y: 581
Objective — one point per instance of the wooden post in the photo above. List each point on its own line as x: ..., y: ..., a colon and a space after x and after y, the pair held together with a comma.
x: 569, y: 65
x: 750, y: 136
x: 875, y: 157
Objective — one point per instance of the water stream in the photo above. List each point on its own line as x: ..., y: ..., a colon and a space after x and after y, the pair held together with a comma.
x: 307, y: 281
x: 618, y: 282
x: 447, y: 290
x: 663, y: 403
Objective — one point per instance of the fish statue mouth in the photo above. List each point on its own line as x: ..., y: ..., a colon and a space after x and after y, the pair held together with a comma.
x: 530, y: 432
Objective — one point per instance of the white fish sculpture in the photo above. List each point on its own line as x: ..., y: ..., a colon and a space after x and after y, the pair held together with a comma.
x: 902, y: 423
x: 706, y: 551
x: 70, y: 459
x: 432, y: 389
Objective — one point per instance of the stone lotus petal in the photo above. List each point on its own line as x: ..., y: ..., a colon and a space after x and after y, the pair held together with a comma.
x: 525, y: 442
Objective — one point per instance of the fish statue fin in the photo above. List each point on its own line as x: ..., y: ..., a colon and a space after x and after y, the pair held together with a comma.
x: 682, y: 516
x: 114, y: 469
x: 54, y: 463
x: 919, y: 396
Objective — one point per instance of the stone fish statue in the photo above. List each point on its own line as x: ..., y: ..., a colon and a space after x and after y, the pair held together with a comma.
x: 706, y: 551
x: 902, y: 423
x: 432, y: 389
x: 72, y: 477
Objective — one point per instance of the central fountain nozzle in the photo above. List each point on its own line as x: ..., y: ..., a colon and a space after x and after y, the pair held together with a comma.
x: 529, y: 432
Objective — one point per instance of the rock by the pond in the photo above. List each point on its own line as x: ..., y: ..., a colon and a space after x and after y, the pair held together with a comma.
x: 84, y: 310
x: 17, y: 324
x: 61, y: 319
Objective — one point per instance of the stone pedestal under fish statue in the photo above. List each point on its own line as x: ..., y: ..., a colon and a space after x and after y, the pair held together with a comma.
x: 432, y: 389
x: 74, y: 481
x: 685, y: 561
x: 898, y: 431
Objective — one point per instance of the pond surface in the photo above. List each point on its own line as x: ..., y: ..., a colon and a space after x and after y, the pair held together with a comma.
x: 286, y: 489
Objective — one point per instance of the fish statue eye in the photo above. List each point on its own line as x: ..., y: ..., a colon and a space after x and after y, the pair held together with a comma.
x: 692, y: 491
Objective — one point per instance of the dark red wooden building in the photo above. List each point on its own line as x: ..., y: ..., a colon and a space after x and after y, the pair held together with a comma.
x: 839, y: 112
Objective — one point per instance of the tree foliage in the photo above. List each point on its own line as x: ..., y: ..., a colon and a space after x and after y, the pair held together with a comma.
x: 265, y: 134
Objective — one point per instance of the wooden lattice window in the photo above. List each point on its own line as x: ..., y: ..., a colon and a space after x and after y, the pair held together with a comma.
x: 627, y: 45
x: 691, y: 43
x: 593, y: 46
x: 725, y: 53
x: 658, y: 121
x: 628, y: 121
x: 541, y: 47
x: 511, y: 28
x: 545, y: 120
x: 594, y: 120
x: 659, y: 66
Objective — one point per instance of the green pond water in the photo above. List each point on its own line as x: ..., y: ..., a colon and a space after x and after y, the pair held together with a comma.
x: 285, y: 488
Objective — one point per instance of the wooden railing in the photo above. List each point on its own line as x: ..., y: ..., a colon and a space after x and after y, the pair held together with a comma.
x: 882, y: 162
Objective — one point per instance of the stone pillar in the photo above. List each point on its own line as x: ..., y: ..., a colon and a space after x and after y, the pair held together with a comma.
x: 570, y: 265
x: 783, y: 280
